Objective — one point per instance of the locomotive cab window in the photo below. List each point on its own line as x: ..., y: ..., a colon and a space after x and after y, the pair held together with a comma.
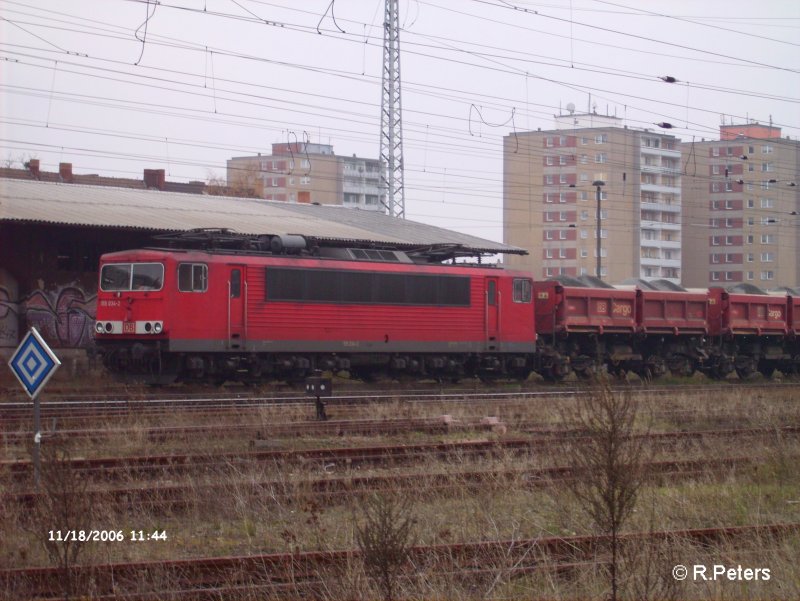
x: 122, y: 277
x: 522, y: 290
x: 192, y: 277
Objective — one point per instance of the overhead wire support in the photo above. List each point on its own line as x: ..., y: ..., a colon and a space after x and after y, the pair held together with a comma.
x: 392, y: 171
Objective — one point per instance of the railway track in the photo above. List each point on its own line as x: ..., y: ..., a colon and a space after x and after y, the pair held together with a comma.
x: 304, y: 573
x: 334, y: 488
x: 172, y: 465
x: 93, y: 409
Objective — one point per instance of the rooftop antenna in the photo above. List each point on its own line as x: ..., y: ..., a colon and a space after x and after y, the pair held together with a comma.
x: 392, y: 178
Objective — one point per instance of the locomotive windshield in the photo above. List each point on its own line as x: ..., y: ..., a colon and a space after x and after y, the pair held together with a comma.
x: 118, y: 277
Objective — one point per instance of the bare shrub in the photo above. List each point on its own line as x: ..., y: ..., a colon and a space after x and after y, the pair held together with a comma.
x: 608, y: 464
x: 385, y: 534
x: 63, y: 509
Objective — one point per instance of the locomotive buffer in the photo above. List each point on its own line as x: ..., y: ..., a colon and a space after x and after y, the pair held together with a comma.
x: 319, y: 387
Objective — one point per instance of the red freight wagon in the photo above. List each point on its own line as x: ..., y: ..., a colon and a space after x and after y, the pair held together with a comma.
x: 748, y: 314
x: 562, y: 308
x: 676, y: 313
x: 793, y: 322
x: 217, y: 315
x: 581, y: 328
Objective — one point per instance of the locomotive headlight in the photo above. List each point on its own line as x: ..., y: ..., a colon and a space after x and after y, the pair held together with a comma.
x: 98, y: 327
x: 157, y: 327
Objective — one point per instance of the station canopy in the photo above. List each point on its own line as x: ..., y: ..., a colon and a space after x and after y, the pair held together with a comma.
x: 163, y: 212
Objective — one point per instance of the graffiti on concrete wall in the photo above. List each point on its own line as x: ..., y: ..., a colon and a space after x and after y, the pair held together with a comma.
x: 9, y: 319
x: 64, y: 316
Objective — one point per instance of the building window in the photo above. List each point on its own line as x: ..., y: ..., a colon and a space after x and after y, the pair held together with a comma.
x: 548, y: 253
x: 715, y: 151
x: 584, y: 234
x: 767, y: 238
x: 562, y: 160
x: 548, y: 179
x: 562, y: 179
x: 715, y: 276
x: 750, y: 275
x: 767, y: 257
x: 584, y: 253
x: 562, y: 234
x: 600, y: 157
x: 548, y: 160
x: 601, y: 139
x: 766, y: 149
x: 562, y: 253
x: 714, y: 240
x: 548, y: 235
x: 750, y: 257
x: 750, y: 239
x: 767, y: 203
x: 767, y: 275
x: 548, y: 142
x: 583, y: 195
x: 562, y: 216
x: 715, y: 258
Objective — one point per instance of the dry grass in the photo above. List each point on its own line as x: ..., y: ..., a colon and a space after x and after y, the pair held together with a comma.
x: 243, y: 518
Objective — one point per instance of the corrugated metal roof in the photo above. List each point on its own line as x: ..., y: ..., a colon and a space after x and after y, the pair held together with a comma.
x: 44, y: 202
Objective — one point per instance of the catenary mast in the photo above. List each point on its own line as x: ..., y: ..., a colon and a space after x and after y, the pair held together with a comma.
x: 391, y: 124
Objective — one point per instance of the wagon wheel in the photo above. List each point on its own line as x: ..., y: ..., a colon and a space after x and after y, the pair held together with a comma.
x: 746, y: 369
x: 766, y: 369
x: 682, y: 367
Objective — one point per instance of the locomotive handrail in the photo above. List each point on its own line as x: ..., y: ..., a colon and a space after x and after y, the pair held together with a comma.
x: 245, y: 311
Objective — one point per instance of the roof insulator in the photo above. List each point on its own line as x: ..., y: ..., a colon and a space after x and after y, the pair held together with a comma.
x: 664, y: 125
x: 668, y: 78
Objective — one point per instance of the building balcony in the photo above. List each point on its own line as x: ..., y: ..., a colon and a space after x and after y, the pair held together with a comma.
x: 660, y: 189
x: 659, y: 262
x: 660, y: 225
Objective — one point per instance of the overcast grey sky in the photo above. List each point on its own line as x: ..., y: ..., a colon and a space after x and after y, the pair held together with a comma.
x: 117, y: 86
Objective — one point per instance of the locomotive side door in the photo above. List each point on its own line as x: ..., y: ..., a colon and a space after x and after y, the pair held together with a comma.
x: 492, y: 309
x: 237, y: 306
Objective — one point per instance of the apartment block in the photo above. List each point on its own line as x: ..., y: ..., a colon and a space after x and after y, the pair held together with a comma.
x: 303, y: 172
x: 741, y: 205
x: 550, y: 189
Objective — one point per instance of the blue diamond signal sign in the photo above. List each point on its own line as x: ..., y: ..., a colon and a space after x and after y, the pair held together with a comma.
x: 33, y: 363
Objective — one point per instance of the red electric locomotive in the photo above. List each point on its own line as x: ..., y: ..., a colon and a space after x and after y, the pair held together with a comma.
x: 166, y: 314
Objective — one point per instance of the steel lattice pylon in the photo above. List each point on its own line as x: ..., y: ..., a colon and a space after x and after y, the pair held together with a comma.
x: 392, y: 179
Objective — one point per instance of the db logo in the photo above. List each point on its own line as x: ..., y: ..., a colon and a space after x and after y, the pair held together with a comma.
x: 543, y: 295
x: 128, y: 327
x: 775, y: 314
